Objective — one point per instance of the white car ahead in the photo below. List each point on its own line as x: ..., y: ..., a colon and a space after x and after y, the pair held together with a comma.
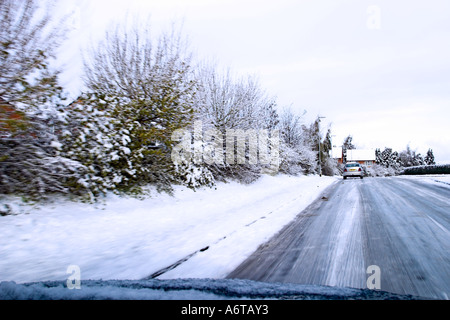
x: 353, y: 169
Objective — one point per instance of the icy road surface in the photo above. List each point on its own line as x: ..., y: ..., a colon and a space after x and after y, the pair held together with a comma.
x: 400, y: 225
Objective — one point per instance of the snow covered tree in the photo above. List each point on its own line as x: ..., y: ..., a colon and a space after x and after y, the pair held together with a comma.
x: 377, y: 156
x: 347, y: 145
x: 229, y: 104
x: 297, y: 154
x: 388, y: 159
x: 409, y: 158
x: 154, y: 85
x: 291, y: 127
x: 418, y: 160
x: 395, y: 160
x: 31, y: 99
x: 329, y: 165
x: 327, y: 143
x: 429, y: 158
x: 225, y: 101
x: 321, y: 147
x: 28, y: 41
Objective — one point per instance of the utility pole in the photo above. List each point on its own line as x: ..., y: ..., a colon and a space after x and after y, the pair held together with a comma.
x: 320, y: 153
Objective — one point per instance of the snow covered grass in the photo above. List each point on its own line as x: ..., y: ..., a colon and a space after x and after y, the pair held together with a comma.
x: 434, y: 178
x: 442, y: 178
x: 213, y: 230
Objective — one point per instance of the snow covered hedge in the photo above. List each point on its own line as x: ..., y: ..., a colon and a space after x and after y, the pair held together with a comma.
x: 433, y: 169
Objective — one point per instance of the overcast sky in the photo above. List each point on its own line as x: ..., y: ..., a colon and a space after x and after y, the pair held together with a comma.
x: 378, y: 70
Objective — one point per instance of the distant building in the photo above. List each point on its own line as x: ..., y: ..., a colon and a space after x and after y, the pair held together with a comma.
x: 336, y: 153
x: 364, y: 157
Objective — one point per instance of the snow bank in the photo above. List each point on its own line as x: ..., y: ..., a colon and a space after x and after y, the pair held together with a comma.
x: 203, y: 234
x: 431, y: 178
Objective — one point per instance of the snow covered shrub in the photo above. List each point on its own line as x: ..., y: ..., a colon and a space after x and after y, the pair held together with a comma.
x: 377, y: 170
x: 30, y: 161
x: 299, y: 160
x: 194, y: 176
x: 95, y: 139
x: 288, y: 165
x: 330, y: 167
x: 189, y: 161
x: 32, y: 167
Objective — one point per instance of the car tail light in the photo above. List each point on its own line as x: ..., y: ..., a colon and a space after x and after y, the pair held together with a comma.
x: 359, y: 169
x: 345, y: 170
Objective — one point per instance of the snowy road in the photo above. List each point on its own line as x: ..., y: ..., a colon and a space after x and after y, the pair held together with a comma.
x: 401, y: 225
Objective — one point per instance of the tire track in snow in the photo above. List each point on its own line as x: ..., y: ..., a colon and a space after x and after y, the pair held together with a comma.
x: 347, y: 253
x: 173, y: 266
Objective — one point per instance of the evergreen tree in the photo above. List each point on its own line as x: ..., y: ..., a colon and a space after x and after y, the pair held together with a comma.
x: 387, y: 158
x: 429, y: 158
x: 327, y: 146
x: 418, y: 159
x: 347, y: 145
x: 378, y: 159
